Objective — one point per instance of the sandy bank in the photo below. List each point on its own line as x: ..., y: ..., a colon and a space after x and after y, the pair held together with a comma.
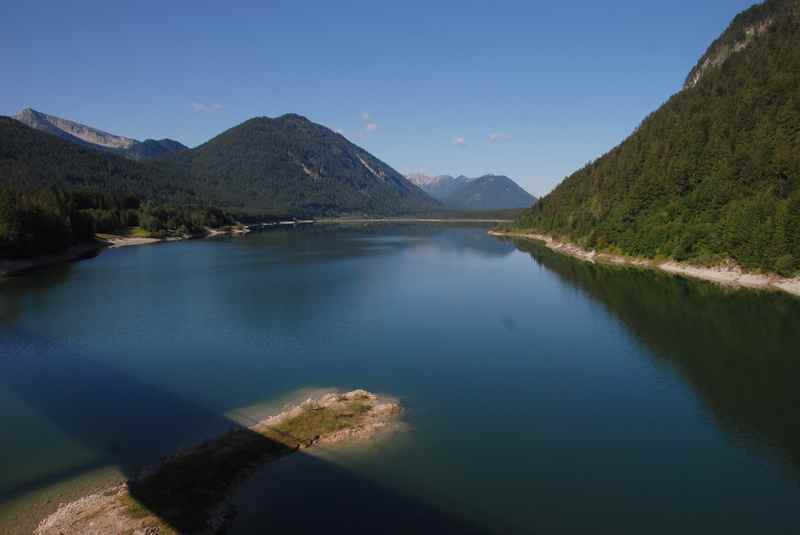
x: 728, y: 276
x: 113, y: 241
x: 187, y: 493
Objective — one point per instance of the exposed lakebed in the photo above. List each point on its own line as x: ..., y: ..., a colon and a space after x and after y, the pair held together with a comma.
x: 545, y: 394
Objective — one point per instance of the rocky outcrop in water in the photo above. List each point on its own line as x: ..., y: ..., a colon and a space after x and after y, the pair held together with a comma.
x: 187, y: 492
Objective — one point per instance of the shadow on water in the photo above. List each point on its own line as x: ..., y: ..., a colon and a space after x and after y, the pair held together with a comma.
x: 130, y: 424
x: 125, y: 422
x: 737, y: 348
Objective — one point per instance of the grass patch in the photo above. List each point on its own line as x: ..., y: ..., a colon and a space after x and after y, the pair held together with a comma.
x: 186, y: 487
x: 315, y: 422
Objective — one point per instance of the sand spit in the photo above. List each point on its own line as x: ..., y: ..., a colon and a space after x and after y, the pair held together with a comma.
x: 187, y: 493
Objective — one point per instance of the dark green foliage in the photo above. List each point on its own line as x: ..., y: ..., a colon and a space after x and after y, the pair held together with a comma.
x: 30, y: 159
x: 289, y: 165
x: 39, y: 222
x: 713, y: 174
x: 162, y: 220
x: 153, y: 148
x: 744, y: 26
x: 54, y: 193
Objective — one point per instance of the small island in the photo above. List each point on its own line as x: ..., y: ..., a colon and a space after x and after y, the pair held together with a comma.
x: 187, y: 493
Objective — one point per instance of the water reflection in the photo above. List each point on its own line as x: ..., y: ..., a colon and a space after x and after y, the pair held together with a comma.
x: 738, y: 348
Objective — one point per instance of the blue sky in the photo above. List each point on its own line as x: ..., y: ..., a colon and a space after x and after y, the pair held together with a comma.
x: 531, y: 89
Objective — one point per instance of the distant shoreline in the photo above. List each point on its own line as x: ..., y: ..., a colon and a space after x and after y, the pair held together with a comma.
x: 727, y: 276
x: 83, y: 251
x: 334, y: 220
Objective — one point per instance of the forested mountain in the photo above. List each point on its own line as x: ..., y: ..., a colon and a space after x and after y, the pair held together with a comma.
x: 290, y: 165
x: 31, y: 159
x: 714, y: 174
x: 98, y: 139
x: 54, y: 193
x: 489, y: 192
x: 61, y: 182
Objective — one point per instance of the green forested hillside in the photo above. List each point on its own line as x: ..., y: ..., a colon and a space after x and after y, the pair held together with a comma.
x: 54, y: 193
x: 714, y: 174
x: 290, y: 165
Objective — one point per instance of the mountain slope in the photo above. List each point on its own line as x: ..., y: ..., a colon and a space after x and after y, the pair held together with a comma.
x: 439, y: 187
x: 489, y: 192
x: 56, y: 193
x: 92, y: 137
x: 293, y: 166
x: 713, y: 175
x: 31, y: 159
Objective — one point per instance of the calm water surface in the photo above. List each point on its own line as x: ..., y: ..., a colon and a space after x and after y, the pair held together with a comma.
x: 545, y: 395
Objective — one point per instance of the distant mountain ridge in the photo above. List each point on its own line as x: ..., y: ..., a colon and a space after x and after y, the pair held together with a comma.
x: 488, y: 192
x: 291, y: 165
x: 32, y: 159
x: 440, y: 186
x: 95, y: 138
x: 283, y: 166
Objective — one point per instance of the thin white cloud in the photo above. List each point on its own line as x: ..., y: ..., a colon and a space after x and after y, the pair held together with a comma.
x: 459, y: 141
x: 499, y: 137
x: 368, y: 124
x: 199, y: 107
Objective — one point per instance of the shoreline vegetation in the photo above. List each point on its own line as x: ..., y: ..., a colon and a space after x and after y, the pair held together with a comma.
x: 725, y: 275
x: 10, y: 267
x: 188, y: 492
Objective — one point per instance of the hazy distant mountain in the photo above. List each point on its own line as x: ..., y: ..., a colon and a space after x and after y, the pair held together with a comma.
x: 291, y: 165
x: 439, y: 187
x: 95, y: 138
x: 489, y: 192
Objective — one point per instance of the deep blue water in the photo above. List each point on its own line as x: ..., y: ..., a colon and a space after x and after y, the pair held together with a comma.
x: 545, y: 395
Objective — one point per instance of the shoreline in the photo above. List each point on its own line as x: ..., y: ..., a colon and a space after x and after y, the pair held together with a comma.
x: 407, y: 220
x: 87, y: 250
x: 178, y: 496
x: 21, y: 266
x: 726, y: 276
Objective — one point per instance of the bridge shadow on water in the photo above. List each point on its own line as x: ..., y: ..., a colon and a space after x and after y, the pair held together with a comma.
x: 130, y: 424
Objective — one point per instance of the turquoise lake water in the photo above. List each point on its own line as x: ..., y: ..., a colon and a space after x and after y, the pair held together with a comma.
x: 543, y: 394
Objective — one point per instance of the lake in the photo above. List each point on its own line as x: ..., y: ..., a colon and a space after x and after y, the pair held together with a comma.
x: 543, y: 394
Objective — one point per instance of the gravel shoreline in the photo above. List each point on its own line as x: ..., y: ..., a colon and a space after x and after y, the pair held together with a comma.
x: 728, y: 276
